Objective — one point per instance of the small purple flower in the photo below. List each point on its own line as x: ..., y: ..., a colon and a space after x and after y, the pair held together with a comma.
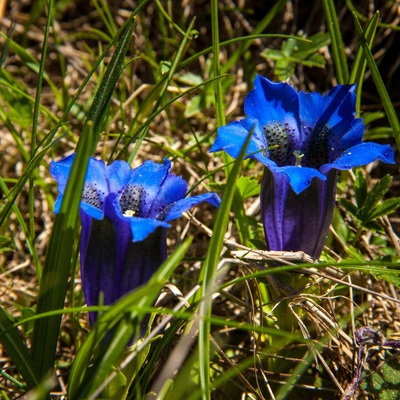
x: 124, y: 214
x: 302, y: 139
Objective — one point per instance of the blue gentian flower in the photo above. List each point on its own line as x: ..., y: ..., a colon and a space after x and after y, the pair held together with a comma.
x: 303, y: 139
x: 124, y: 214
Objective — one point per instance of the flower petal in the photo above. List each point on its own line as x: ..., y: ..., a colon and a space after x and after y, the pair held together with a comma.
x: 297, y: 222
x: 300, y: 178
x: 328, y: 109
x: 232, y: 137
x: 270, y: 101
x: 172, y: 190
x: 141, y: 228
x: 118, y: 174
x: 150, y: 176
x: 185, y: 204
x: 361, y: 154
x: 60, y: 171
x: 95, y: 180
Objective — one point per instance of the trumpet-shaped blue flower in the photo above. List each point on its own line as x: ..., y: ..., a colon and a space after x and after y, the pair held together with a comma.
x: 124, y: 214
x: 302, y: 139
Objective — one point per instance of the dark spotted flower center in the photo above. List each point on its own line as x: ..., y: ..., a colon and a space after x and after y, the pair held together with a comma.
x: 91, y: 196
x: 317, y: 146
x: 131, y: 200
x: 280, y: 138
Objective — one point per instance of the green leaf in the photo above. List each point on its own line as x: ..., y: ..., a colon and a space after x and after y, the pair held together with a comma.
x: 387, y: 207
x: 357, y: 74
x: 209, y: 269
x: 57, y: 267
x: 385, y: 384
x: 19, y: 108
x: 248, y: 187
x: 6, y: 244
x: 373, y: 198
x: 101, y: 101
x: 84, y: 381
x: 387, y: 103
x: 360, y: 189
x: 191, y: 79
x: 338, y: 48
x: 296, y: 51
x: 17, y: 350
x: 349, y: 206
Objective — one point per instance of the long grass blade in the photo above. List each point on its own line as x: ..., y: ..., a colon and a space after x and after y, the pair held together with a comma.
x: 209, y: 270
x: 380, y: 86
x: 359, y: 66
x: 83, y: 383
x: 16, y: 349
x: 101, y: 101
x: 57, y: 267
x: 339, y: 55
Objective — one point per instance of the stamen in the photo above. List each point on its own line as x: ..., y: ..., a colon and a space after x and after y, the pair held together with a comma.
x: 131, y: 200
x: 129, y: 213
x: 299, y: 155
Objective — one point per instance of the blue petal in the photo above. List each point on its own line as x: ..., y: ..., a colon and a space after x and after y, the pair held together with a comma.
x: 96, y: 177
x: 232, y: 137
x: 299, y: 177
x: 297, y: 222
x: 142, y: 227
x: 361, y: 154
x: 172, y: 190
x: 150, y: 176
x: 329, y: 109
x: 185, y: 204
x: 353, y: 136
x: 60, y: 171
x: 118, y: 173
x: 91, y: 211
x: 270, y: 101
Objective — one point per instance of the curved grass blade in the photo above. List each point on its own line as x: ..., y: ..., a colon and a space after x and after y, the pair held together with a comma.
x: 17, y: 350
x: 208, y: 272
x: 358, y: 69
x: 54, y: 281
x: 35, y: 119
x: 89, y: 384
x: 263, y: 24
x: 380, y: 86
x: 339, y: 55
x: 47, y: 142
x: 101, y: 101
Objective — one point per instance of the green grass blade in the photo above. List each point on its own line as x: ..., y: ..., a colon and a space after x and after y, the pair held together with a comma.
x: 358, y: 69
x: 82, y: 383
x: 209, y: 269
x: 174, y: 66
x: 36, y: 109
x: 262, y: 25
x: 17, y: 351
x: 101, y: 101
x: 380, y: 86
x: 238, y: 204
x: 54, y: 281
x: 219, y: 102
x: 339, y: 55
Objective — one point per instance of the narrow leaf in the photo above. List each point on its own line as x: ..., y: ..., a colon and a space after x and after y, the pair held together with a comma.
x: 387, y: 103
x: 54, y: 281
x: 17, y: 350
x: 339, y: 55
